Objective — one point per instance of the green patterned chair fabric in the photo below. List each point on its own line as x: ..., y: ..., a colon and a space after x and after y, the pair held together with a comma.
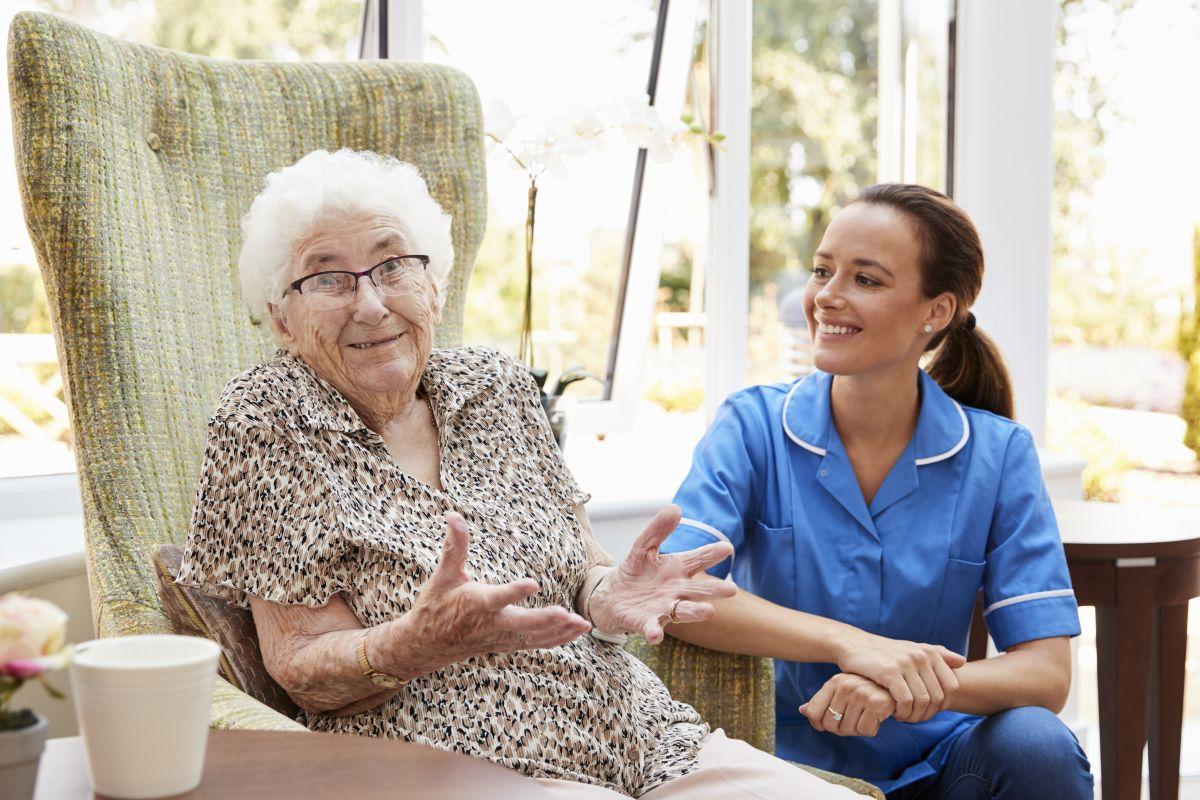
x: 733, y: 692
x: 135, y: 166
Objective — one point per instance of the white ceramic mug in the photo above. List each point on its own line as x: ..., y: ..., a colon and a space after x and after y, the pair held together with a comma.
x: 143, y: 704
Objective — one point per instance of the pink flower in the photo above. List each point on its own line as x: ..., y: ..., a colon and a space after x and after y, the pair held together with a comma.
x: 23, y: 668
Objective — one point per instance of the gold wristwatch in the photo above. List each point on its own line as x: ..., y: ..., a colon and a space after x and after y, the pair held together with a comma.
x: 377, y: 678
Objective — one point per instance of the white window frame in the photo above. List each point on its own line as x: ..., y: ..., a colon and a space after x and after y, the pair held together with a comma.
x: 1004, y: 178
x: 727, y: 277
x: 405, y: 24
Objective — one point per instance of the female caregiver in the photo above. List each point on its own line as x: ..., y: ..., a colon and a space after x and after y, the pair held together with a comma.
x: 869, y: 503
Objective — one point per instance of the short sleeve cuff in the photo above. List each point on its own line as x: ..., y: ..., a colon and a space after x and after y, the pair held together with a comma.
x: 692, y: 534
x: 1037, y: 616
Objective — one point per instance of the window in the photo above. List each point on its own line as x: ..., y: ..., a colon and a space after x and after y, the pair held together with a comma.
x: 815, y: 125
x: 600, y: 221
x: 34, y: 430
x: 1124, y: 248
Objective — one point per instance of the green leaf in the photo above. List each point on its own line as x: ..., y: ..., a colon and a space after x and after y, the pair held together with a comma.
x: 50, y: 690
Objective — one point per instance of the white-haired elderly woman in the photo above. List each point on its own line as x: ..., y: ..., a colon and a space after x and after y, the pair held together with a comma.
x: 415, y: 552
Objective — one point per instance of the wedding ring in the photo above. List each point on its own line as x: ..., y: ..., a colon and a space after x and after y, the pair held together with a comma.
x: 837, y: 715
x: 671, y: 611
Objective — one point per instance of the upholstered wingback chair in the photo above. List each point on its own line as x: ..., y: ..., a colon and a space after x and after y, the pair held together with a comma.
x: 135, y: 166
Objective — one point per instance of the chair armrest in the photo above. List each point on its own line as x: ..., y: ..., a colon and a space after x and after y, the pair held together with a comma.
x: 236, y: 710
x: 730, y: 691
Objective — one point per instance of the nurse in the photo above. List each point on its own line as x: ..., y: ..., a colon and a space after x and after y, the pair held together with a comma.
x: 868, y: 505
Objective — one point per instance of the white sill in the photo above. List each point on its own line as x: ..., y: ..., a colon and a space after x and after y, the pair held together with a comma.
x: 631, y: 476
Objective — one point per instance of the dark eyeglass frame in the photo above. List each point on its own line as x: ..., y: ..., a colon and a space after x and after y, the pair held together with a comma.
x: 294, y: 286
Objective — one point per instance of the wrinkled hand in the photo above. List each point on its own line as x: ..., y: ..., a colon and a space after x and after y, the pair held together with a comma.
x: 637, y: 596
x: 455, y: 617
x: 863, y: 704
x: 919, y: 677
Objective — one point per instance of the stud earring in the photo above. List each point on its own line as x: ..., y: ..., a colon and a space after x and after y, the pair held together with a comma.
x: 929, y: 329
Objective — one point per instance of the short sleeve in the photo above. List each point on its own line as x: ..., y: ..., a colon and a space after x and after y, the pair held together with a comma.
x: 262, y: 523
x: 720, y: 492
x: 538, y: 433
x: 1026, y: 584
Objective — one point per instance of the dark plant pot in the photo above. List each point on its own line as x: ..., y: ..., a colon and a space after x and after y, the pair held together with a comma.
x: 20, y: 754
x: 556, y: 413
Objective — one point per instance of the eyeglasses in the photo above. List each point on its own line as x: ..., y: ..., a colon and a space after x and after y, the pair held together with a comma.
x: 336, y: 288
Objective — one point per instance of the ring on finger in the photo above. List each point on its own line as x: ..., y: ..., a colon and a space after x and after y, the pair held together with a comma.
x: 671, y: 611
x: 837, y: 715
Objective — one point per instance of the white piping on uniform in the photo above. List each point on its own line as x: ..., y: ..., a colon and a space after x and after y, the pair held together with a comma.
x: 1027, y: 597
x: 705, y: 527
x: 818, y: 450
x: 961, y: 442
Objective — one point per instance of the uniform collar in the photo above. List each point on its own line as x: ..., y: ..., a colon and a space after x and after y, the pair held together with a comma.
x: 451, y: 378
x: 942, y: 427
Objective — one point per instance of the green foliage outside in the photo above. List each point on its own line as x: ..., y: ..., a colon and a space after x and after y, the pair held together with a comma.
x: 1189, y: 348
x: 23, y: 306
x: 814, y: 115
x: 1068, y: 430
x: 264, y: 29
x: 1099, y: 296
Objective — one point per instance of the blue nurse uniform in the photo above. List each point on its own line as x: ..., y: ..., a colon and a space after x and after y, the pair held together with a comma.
x: 964, y: 508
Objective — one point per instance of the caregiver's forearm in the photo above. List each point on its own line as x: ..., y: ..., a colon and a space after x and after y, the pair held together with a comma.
x: 1036, y: 673
x: 750, y: 625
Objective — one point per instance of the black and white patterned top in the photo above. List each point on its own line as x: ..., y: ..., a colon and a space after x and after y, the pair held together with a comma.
x: 298, y: 500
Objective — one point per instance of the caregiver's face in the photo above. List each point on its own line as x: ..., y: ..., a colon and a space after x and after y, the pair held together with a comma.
x: 864, y: 303
x: 377, y: 342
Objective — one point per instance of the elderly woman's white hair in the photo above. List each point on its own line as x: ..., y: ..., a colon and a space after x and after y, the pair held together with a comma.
x: 322, y: 186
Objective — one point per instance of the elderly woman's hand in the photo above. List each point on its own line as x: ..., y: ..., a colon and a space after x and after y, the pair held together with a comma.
x: 650, y: 589
x: 455, y: 617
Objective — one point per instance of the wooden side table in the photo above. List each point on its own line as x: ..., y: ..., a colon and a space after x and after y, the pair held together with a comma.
x: 1139, y: 565
x: 264, y: 765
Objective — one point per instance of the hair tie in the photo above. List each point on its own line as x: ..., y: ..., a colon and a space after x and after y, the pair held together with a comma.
x: 969, y: 323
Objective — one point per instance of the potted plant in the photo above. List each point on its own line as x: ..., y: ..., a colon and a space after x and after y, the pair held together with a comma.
x: 546, y: 148
x: 31, y: 644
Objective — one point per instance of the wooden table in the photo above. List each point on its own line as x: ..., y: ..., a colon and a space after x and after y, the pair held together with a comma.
x: 263, y: 765
x: 1139, y: 565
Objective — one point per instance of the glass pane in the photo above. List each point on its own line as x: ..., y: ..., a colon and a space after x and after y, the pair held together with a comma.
x: 34, y: 434
x: 926, y: 54
x: 1125, y: 268
x: 551, y: 60
x: 814, y: 120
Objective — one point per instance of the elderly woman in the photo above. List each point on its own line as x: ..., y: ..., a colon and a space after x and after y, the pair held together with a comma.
x: 415, y: 552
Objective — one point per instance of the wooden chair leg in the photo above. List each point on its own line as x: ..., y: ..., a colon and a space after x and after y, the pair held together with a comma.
x: 1166, y: 699
x: 978, y: 638
x: 1123, y: 634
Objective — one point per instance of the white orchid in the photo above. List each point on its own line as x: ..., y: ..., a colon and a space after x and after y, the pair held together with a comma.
x: 645, y: 128
x: 498, y: 121
x: 569, y: 135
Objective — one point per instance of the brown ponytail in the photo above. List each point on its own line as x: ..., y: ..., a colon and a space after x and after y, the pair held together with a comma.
x: 966, y: 362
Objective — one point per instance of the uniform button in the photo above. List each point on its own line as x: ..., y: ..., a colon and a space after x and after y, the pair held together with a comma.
x: 824, y: 473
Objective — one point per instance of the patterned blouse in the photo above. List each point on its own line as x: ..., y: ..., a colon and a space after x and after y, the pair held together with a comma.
x: 298, y: 500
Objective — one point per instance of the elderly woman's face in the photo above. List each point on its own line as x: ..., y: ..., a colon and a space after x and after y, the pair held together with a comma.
x: 377, y: 342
